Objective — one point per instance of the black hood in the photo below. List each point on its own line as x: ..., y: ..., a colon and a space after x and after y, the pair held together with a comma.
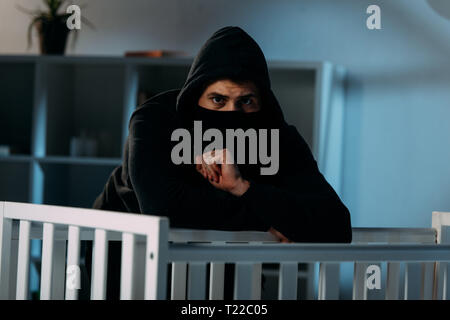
x: 229, y: 53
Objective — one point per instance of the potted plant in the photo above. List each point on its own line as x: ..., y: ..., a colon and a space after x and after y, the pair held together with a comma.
x: 51, y: 26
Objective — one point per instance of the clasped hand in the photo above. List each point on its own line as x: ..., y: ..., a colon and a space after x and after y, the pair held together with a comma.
x: 225, y: 175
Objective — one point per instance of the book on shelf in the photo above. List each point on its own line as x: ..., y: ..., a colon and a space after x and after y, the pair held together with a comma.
x: 155, y: 53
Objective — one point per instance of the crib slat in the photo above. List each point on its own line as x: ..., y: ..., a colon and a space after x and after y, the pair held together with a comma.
x: 393, y: 281
x: 127, y: 267
x: 53, y: 263
x: 216, y: 281
x: 412, y: 283
x: 178, y: 289
x: 23, y: 263
x: 438, y: 281
x: 359, y: 281
x: 441, y: 281
x: 99, y: 265
x: 427, y: 280
x: 73, y: 263
x: 287, y: 281
x: 197, y: 281
x: 329, y: 281
x: 59, y: 270
x: 445, y: 278
x: 13, y: 268
x: 139, y: 269
x: 309, y: 275
x: 247, y: 281
x: 5, y: 254
x: 47, y: 261
x: 256, y: 281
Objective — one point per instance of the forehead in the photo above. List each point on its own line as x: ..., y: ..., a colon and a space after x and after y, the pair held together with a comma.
x: 230, y: 88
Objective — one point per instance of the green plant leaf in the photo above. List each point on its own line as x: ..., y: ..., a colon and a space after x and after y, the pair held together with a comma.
x: 54, y: 6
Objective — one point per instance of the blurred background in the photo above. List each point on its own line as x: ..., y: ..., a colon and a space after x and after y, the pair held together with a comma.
x: 394, y: 152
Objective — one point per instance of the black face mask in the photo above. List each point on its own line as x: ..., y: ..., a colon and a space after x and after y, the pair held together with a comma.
x: 231, y: 119
x: 223, y: 120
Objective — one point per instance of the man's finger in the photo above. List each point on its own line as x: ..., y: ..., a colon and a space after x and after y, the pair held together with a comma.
x: 212, y: 159
x: 211, y: 174
x: 279, y: 235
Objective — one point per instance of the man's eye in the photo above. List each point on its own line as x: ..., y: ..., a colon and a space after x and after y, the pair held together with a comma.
x: 247, y: 101
x: 217, y: 99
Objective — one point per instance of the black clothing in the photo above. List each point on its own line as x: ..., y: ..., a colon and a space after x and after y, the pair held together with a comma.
x: 297, y: 201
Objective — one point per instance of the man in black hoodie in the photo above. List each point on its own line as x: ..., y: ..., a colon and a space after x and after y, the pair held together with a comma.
x: 296, y: 203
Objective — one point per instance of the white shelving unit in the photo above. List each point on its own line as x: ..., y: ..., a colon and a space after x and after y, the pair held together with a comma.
x: 45, y: 100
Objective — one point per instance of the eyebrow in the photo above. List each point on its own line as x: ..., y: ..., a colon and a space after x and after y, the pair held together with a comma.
x: 216, y: 94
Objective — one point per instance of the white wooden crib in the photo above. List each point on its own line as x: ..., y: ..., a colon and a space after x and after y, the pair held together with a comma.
x: 197, y: 257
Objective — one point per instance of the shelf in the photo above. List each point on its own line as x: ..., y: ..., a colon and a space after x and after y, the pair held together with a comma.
x: 96, y: 60
x: 81, y: 161
x: 16, y: 158
x: 62, y: 160
x: 138, y: 61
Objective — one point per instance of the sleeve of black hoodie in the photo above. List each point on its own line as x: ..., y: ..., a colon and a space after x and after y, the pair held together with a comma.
x: 304, y: 207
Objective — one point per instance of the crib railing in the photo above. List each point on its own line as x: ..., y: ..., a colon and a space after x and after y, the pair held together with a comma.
x: 197, y: 257
x: 59, y: 224
x: 329, y: 273
x: 289, y: 255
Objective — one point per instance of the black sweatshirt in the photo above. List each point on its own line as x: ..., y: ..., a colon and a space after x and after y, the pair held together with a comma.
x: 297, y: 201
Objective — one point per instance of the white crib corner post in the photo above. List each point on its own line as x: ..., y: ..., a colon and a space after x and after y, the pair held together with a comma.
x: 5, y: 252
x: 156, y: 260
x: 437, y: 222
